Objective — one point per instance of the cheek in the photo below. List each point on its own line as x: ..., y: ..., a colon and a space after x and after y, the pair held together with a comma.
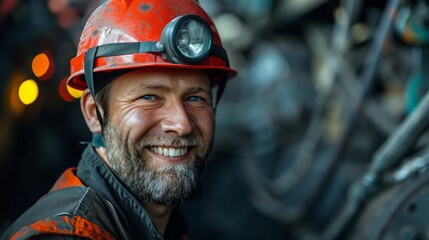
x: 136, y: 123
x: 205, y: 123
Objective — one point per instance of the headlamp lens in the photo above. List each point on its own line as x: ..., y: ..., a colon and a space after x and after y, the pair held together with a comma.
x: 193, y: 39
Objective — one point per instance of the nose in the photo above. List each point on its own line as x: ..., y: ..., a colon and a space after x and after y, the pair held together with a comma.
x: 176, y: 120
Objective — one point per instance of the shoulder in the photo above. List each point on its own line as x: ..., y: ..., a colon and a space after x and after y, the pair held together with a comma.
x: 71, y: 211
x: 62, y: 227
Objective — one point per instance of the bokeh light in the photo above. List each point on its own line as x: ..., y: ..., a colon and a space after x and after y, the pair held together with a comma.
x: 66, y: 15
x: 28, y: 91
x: 42, y: 66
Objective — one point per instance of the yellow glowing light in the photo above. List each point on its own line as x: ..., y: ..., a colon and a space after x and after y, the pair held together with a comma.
x: 74, y: 92
x: 40, y: 65
x: 28, y: 92
x: 15, y: 104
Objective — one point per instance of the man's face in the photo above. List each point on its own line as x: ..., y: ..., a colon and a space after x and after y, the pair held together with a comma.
x: 159, y: 131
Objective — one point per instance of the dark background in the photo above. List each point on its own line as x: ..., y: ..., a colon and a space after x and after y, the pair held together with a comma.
x: 296, y: 60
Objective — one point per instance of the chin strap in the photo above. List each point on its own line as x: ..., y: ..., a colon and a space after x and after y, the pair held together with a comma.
x: 97, y: 140
x: 220, y: 90
x: 89, y: 77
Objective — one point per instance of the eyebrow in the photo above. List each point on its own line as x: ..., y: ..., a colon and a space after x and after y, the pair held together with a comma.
x: 164, y: 88
x: 155, y: 86
x: 198, y: 89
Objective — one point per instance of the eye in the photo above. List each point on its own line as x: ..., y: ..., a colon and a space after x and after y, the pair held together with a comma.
x: 196, y: 99
x: 148, y: 97
x: 200, y: 100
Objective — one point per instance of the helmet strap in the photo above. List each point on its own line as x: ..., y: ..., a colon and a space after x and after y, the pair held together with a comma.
x: 97, y: 138
x: 220, y: 90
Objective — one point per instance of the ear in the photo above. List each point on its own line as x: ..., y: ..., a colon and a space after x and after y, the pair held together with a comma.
x: 88, y: 107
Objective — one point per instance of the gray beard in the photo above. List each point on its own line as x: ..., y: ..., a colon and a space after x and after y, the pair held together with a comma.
x: 151, y: 183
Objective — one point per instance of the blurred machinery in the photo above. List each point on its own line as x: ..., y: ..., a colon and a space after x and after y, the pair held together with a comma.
x: 322, y: 135
x: 329, y: 117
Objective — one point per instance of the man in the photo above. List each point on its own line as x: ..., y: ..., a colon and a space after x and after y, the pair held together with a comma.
x: 151, y: 67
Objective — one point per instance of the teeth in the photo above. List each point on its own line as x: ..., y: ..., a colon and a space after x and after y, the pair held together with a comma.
x: 170, y: 152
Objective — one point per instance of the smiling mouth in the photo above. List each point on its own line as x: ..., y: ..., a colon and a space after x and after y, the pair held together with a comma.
x: 170, y: 152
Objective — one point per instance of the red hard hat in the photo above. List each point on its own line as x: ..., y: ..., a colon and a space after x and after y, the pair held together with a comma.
x: 118, y: 22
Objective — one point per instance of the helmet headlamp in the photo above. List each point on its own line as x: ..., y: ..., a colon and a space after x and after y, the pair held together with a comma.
x: 187, y: 39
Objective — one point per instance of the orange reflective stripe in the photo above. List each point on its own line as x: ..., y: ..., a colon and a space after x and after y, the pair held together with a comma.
x: 85, y: 228
x: 67, y: 179
x: 63, y: 225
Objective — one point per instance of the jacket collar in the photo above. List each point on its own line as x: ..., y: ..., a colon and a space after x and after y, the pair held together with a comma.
x: 96, y: 174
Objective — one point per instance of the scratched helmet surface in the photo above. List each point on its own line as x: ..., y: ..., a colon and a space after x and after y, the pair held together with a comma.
x: 139, y: 21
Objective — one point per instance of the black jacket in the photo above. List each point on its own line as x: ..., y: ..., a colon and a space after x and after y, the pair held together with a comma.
x: 89, y: 202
